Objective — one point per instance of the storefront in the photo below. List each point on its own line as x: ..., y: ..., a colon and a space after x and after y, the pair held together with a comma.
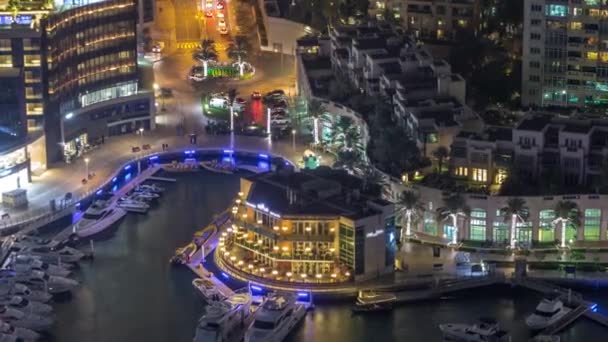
x: 75, y: 147
x: 14, y: 171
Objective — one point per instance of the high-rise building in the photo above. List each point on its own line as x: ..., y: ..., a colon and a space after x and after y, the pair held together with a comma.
x: 565, y: 53
x: 90, y: 74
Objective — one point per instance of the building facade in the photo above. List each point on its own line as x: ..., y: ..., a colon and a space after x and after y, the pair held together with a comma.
x: 485, y: 223
x: 539, y: 145
x: 565, y: 53
x: 91, y: 77
x: 317, y: 224
x: 431, y: 19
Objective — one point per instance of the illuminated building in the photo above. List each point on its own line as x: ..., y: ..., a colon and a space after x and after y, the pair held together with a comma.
x: 565, y: 53
x: 91, y: 79
x: 315, y: 222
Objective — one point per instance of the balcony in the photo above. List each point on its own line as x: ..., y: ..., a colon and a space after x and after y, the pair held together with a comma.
x: 307, y: 237
x: 321, y: 256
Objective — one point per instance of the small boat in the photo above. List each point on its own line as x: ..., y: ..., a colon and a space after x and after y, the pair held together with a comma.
x: 487, y: 330
x: 214, y: 166
x: 132, y: 205
x: 27, y: 262
x: 223, y: 318
x: 279, y: 314
x: 32, y: 241
x: 54, y: 256
x: 21, y: 290
x: 547, y: 312
x: 25, y: 305
x: 146, y: 195
x: 183, y: 255
x: 99, y: 216
x: 370, y: 301
x: 24, y: 334
x: 155, y: 188
x: 38, y: 280
x: 207, y: 290
x: 20, y: 319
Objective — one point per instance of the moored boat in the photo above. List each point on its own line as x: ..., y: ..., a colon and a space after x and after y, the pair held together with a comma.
x: 486, y: 330
x: 99, y: 216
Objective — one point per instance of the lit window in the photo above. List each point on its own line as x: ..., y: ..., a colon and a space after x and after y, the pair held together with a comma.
x: 462, y: 22
x: 501, y: 175
x: 440, y: 33
x: 480, y: 175
x: 592, y: 55
x: 576, y: 25
x: 462, y: 171
x: 556, y: 10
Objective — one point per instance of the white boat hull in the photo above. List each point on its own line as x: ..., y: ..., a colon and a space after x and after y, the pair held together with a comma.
x: 280, y: 334
x: 535, y: 323
x: 99, y: 226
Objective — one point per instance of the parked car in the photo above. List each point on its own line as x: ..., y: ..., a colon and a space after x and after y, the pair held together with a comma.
x: 256, y: 95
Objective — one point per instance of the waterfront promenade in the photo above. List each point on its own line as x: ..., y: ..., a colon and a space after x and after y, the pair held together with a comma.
x: 103, y: 162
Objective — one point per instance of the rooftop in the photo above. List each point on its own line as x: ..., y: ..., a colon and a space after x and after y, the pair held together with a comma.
x: 321, y: 192
x: 535, y: 122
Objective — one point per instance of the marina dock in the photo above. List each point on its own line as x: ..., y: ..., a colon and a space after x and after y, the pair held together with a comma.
x: 139, y: 179
x: 580, y: 307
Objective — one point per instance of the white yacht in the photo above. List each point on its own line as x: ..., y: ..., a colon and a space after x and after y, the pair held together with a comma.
x: 25, y: 305
x: 53, y: 256
x: 27, y: 262
x: 484, y: 331
x: 223, y: 318
x: 276, y: 318
x: 207, y: 290
x: 38, y: 280
x: 24, y: 334
x: 32, y: 241
x: 133, y: 205
x: 155, y: 188
x: 146, y: 195
x: 18, y: 318
x: 16, y: 289
x: 547, y: 312
x: 99, y: 216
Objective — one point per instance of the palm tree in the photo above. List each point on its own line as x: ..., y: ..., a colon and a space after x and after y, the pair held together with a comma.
x: 514, y: 211
x: 237, y: 50
x: 315, y: 110
x: 347, y: 136
x: 566, y: 212
x: 440, y: 153
x: 231, y: 97
x: 206, y: 53
x: 409, y: 205
x: 371, y: 176
x: 454, y: 206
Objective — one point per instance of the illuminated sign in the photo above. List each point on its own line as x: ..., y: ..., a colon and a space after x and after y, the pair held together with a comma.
x: 19, y: 19
x: 374, y: 234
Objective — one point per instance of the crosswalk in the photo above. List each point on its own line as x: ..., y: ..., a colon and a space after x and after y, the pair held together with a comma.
x: 188, y: 45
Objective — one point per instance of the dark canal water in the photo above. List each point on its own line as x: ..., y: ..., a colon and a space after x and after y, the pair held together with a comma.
x: 130, y: 292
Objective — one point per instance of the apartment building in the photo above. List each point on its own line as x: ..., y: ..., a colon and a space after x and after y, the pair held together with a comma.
x: 316, y: 222
x: 539, y: 144
x: 430, y: 18
x: 565, y: 53
x: 383, y: 61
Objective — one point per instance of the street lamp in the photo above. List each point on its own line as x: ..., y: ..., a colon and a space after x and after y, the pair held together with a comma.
x: 293, y: 139
x: 86, y: 167
x: 141, y: 141
x: 268, y: 123
x: 155, y: 86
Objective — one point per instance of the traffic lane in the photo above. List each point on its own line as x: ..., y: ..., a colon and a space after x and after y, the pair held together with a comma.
x: 186, y: 23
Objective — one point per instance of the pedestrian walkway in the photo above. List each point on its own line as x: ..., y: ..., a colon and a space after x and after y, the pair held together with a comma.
x: 62, y: 178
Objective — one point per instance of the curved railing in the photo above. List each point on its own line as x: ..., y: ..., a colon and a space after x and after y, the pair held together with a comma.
x: 39, y: 217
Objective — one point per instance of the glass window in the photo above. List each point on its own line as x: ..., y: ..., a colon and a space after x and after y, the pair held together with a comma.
x: 546, y: 231
x: 500, y: 233
x: 556, y: 10
x: 6, y: 61
x: 478, y: 230
x: 592, y: 224
x: 480, y: 175
x: 430, y: 225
